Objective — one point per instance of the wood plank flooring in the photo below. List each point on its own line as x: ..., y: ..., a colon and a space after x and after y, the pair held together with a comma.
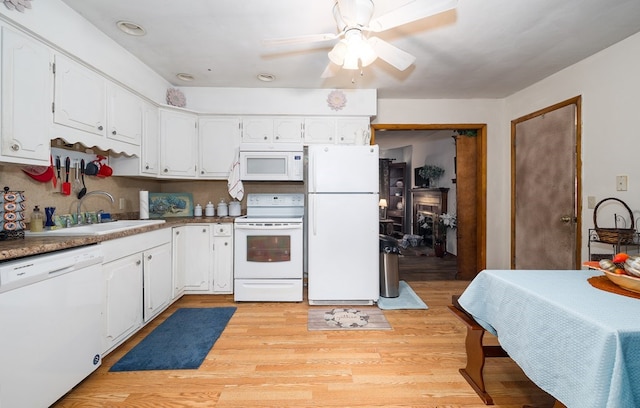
x: 266, y: 358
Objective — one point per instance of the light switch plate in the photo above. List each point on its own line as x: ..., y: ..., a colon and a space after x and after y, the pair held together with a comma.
x: 591, y: 202
x: 621, y: 183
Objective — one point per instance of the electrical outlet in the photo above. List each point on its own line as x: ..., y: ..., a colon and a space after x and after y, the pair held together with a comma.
x: 591, y: 202
x: 122, y: 203
x: 621, y: 183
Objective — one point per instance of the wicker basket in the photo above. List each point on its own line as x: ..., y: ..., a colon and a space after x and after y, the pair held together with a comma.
x: 615, y: 236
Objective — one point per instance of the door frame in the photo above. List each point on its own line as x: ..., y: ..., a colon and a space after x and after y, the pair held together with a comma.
x: 577, y: 100
x: 481, y: 197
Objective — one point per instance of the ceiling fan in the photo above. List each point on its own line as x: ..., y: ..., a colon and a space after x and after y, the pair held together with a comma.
x: 356, y: 49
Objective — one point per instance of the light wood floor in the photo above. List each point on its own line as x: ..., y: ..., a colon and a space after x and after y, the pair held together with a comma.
x: 266, y: 358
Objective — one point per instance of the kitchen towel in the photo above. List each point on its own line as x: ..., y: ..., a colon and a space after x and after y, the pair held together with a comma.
x: 234, y: 184
x: 144, y: 205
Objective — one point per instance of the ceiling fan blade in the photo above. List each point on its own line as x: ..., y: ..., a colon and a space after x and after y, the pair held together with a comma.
x: 416, y: 10
x: 330, y: 71
x: 301, y: 39
x: 391, y: 54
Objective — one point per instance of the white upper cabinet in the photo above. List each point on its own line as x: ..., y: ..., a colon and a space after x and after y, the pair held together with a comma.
x: 330, y: 130
x: 26, y: 100
x: 178, y: 143
x: 93, y: 110
x: 124, y: 115
x: 80, y: 97
x: 219, y: 139
x: 150, y: 146
x: 267, y: 129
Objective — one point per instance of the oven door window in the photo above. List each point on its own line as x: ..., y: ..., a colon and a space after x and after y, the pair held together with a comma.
x: 268, y: 248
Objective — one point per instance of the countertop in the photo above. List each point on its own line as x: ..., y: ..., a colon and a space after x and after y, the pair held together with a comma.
x: 17, y: 248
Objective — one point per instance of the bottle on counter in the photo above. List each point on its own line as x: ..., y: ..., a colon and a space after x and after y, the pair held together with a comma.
x: 197, y: 211
x: 209, y: 210
x: 223, y: 209
x: 36, y: 223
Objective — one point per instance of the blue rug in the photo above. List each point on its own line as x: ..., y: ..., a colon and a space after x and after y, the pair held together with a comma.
x: 180, y: 342
x: 407, y: 299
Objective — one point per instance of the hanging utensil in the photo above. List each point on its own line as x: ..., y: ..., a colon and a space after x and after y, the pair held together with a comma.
x: 66, y: 186
x: 77, y: 186
x: 83, y: 191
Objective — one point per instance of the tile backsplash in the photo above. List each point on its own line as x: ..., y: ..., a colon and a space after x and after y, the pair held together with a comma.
x: 125, y: 191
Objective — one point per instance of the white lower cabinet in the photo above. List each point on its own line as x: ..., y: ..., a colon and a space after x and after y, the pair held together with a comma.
x: 203, y: 258
x: 138, y: 283
x: 123, y: 299
x: 158, y: 280
x: 222, y: 258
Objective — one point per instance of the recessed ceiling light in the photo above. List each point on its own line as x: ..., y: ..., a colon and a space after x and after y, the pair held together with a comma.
x: 266, y: 77
x: 185, y: 77
x: 131, y: 28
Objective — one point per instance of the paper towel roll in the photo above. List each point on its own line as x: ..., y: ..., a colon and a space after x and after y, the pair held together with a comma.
x: 144, y: 205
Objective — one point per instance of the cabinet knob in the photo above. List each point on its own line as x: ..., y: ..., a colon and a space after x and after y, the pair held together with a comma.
x: 149, y: 257
x: 226, y: 243
x: 166, y: 170
x: 204, y: 230
x: 277, y: 137
x: 146, y: 167
x: 201, y: 171
x: 138, y: 262
x: 100, y: 127
x: 177, y: 232
x: 113, y: 132
x: 265, y: 138
x: 15, y: 147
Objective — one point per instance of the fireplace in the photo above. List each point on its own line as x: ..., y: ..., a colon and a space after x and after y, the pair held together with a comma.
x: 428, y: 203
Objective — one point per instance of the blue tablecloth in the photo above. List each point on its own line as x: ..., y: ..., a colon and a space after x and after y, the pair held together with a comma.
x: 578, y: 343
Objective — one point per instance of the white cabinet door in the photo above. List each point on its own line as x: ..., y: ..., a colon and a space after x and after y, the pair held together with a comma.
x: 272, y: 129
x: 222, y: 258
x: 150, y: 147
x: 219, y: 139
x: 158, y: 282
x: 26, y: 100
x: 178, y: 143
x: 123, y: 299
x: 287, y: 130
x: 178, y: 261
x: 80, y: 97
x: 353, y: 131
x: 197, y: 258
x: 319, y: 130
x: 124, y: 115
x: 257, y: 129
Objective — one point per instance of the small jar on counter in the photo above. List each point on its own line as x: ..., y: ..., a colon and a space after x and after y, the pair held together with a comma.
x: 36, y: 223
x: 197, y: 211
x: 223, y: 209
x: 209, y: 210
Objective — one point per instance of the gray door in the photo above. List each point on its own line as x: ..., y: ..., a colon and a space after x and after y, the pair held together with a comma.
x: 545, y: 189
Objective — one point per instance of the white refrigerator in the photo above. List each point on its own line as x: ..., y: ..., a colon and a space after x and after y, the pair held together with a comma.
x: 342, y: 225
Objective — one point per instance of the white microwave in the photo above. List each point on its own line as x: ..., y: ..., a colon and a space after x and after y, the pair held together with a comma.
x: 271, y: 162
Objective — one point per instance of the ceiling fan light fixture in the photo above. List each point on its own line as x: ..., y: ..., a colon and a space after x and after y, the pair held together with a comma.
x: 337, y: 54
x: 351, y: 61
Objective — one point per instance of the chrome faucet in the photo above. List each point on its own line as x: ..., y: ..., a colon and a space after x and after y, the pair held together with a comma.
x: 90, y: 193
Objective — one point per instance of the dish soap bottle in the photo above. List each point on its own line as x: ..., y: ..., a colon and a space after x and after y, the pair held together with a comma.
x: 37, y: 220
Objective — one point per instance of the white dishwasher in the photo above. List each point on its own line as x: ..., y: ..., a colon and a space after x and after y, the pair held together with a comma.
x: 50, y: 321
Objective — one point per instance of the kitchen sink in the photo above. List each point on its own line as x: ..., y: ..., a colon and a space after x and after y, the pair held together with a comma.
x: 95, y: 229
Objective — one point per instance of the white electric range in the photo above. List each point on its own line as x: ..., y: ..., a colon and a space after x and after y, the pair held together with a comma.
x: 268, y: 250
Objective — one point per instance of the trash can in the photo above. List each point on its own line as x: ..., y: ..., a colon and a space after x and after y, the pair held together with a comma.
x: 389, y: 276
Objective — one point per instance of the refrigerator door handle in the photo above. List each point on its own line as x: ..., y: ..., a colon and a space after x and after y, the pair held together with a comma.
x: 314, y: 211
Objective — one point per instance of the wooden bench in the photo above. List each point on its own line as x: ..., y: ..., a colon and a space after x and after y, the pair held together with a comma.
x: 477, y: 352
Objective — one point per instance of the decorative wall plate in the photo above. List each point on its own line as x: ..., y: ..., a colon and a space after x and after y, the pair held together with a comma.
x: 337, y: 100
x: 175, y: 97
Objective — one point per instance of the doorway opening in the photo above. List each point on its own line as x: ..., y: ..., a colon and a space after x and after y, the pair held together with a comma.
x: 467, y: 183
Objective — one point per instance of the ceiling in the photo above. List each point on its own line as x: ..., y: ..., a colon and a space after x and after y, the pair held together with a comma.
x: 481, y: 49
